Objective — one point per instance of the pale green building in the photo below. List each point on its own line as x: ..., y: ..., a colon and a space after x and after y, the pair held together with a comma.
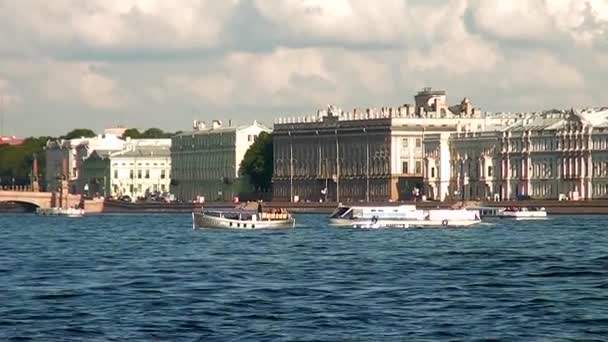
x: 205, y: 162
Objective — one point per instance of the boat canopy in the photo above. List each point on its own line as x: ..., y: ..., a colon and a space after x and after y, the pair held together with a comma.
x: 392, y: 212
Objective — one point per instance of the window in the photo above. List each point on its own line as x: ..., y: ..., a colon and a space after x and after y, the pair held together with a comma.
x: 139, y: 174
x: 131, y: 175
x: 418, y: 167
x: 405, y: 167
x: 162, y: 174
x: 250, y: 138
x: 433, y: 172
x: 147, y: 174
x: 405, y: 143
x: 418, y: 142
x: 115, y: 173
x: 489, y: 171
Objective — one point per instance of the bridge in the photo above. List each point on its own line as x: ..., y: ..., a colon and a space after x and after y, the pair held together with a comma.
x: 39, y: 199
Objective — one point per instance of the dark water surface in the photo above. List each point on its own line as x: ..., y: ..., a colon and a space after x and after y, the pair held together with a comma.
x: 152, y: 278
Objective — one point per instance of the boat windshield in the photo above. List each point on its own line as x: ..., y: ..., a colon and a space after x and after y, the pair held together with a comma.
x: 339, y: 212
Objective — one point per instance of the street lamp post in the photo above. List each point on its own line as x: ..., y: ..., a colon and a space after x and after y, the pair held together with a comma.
x: 324, y: 191
x: 337, y: 168
x: 290, y: 167
x: 366, y: 164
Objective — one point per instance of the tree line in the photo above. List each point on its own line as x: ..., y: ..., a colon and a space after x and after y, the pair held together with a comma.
x: 16, y: 160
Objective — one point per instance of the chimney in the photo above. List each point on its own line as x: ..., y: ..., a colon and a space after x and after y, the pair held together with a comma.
x: 230, y: 123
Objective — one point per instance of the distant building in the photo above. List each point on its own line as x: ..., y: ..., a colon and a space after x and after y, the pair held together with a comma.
x: 549, y: 155
x: 117, y: 131
x: 64, y: 157
x: 95, y: 176
x: 12, y: 140
x: 142, y: 167
x: 206, y: 161
x: 364, y: 155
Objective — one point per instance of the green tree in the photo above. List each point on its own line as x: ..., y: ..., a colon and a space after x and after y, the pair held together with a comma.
x: 16, y: 161
x: 257, y: 163
x: 153, y: 133
x: 79, y: 133
x: 132, y: 133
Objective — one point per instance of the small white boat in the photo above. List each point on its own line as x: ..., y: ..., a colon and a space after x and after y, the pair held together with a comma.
x: 523, y: 213
x: 242, y: 219
x: 401, y: 217
x: 517, y: 213
x: 69, y: 212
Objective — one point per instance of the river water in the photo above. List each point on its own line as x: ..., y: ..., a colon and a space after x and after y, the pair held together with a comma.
x: 153, y: 278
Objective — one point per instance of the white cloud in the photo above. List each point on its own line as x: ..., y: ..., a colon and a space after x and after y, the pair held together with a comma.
x: 118, y: 23
x: 80, y: 83
x: 583, y: 21
x: 142, y: 59
x: 212, y: 89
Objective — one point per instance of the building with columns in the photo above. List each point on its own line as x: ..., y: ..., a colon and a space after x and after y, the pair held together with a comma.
x: 205, y: 162
x: 549, y: 155
x: 364, y: 155
x: 142, y: 167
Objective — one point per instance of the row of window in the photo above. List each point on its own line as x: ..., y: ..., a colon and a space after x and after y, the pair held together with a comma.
x: 552, y: 144
x: 143, y: 174
x: 357, y: 151
x: 405, y: 143
x: 141, y: 164
x: 348, y: 167
x: 405, y: 167
x: 205, y: 140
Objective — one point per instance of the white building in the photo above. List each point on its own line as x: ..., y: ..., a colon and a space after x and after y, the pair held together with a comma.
x: 549, y: 155
x: 64, y: 157
x: 206, y: 161
x: 143, y: 167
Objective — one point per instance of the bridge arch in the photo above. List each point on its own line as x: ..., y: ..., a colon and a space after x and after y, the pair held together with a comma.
x: 38, y: 199
x: 18, y: 206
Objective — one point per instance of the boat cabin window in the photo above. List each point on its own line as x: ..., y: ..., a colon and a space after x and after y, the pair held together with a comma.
x: 339, y: 212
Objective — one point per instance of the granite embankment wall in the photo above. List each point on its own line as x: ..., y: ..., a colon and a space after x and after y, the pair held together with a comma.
x: 552, y: 207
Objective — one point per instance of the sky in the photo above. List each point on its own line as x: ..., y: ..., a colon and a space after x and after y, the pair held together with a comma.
x: 156, y: 63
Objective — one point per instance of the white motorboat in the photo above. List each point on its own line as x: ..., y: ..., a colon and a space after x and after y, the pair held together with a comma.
x: 373, y: 224
x: 518, y: 213
x: 56, y: 211
x: 242, y: 219
x: 402, y: 216
x: 523, y: 213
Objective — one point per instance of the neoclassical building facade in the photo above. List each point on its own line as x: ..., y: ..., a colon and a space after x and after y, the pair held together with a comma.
x: 363, y: 155
x: 205, y: 162
x: 549, y: 155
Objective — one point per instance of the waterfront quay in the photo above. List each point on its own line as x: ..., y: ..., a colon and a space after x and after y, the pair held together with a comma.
x: 593, y: 207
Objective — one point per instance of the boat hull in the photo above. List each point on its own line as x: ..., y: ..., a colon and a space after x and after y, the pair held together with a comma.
x: 523, y: 215
x: 405, y: 223
x: 404, y: 217
x: 201, y: 221
x: 69, y: 212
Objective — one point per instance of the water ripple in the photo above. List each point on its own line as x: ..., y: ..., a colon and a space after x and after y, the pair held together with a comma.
x: 153, y: 278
